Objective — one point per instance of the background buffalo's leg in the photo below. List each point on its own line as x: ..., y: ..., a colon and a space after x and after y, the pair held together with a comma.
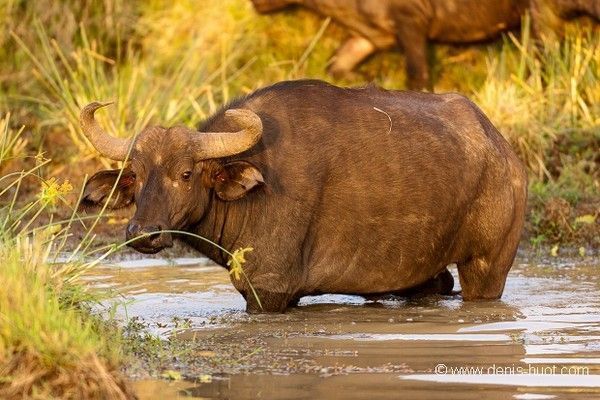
x: 594, y: 9
x: 414, y: 43
x: 548, y: 17
x: 351, y: 53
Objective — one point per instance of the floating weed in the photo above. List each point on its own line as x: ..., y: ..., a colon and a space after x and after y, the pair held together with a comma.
x: 181, y: 323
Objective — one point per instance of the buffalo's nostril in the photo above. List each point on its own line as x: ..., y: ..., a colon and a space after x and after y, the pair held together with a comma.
x: 148, y: 238
x: 150, y: 232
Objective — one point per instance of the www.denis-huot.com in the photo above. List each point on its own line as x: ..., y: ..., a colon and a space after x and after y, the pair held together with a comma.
x: 528, y: 369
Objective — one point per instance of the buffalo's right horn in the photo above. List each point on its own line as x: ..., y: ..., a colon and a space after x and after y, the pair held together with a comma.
x: 223, y: 144
x: 107, y: 145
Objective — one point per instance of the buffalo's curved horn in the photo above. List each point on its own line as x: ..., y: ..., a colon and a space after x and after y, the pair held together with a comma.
x: 223, y: 144
x: 107, y: 145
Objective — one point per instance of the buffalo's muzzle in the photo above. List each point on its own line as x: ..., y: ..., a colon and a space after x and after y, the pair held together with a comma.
x: 147, y: 238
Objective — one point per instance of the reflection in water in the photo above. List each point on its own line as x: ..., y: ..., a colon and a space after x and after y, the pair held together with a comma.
x: 347, y: 347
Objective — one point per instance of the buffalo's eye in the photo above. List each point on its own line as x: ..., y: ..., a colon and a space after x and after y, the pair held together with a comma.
x: 186, y: 175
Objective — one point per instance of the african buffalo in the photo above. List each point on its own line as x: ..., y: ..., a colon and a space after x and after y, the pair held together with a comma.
x: 380, y: 25
x: 338, y: 190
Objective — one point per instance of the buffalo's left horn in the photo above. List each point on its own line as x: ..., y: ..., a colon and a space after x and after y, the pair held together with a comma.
x: 223, y: 144
x: 107, y: 145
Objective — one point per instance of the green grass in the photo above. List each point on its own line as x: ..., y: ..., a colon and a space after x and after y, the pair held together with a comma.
x: 542, y: 98
x: 49, y: 346
x: 50, y: 343
x: 546, y: 100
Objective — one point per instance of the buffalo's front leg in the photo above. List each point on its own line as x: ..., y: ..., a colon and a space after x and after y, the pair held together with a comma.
x: 267, y: 292
x: 414, y: 43
x: 351, y: 53
x: 264, y: 301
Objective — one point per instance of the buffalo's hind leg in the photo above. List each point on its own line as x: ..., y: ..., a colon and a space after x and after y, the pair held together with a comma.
x: 442, y: 283
x: 492, y: 234
x: 483, y: 277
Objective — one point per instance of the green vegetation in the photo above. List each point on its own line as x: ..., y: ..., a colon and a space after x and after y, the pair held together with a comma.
x: 176, y: 62
x: 546, y: 102
x: 50, y: 344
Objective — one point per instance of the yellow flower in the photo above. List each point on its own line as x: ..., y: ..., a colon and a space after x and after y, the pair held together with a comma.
x: 236, y: 261
x: 51, y: 191
x: 39, y: 158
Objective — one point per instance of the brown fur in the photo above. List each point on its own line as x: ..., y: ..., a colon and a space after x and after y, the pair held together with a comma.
x: 361, y: 191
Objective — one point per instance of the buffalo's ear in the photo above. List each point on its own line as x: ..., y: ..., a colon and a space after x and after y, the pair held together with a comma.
x: 98, y: 187
x: 235, y: 179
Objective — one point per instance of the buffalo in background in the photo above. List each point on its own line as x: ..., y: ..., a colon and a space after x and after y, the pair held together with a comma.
x: 411, y: 24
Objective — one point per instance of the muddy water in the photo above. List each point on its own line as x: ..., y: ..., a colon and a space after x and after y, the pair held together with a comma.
x: 541, y: 341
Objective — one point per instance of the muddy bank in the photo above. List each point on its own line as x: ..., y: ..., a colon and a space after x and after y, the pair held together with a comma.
x: 542, y: 338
